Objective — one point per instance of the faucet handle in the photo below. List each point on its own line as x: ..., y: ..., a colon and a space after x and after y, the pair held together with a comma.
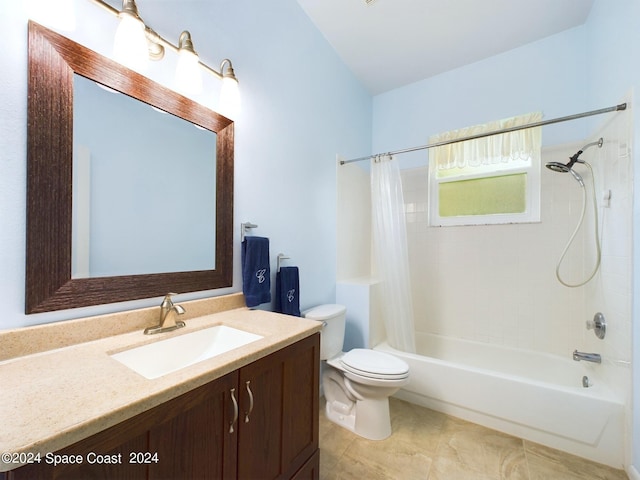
x: 598, y: 324
x: 167, y: 302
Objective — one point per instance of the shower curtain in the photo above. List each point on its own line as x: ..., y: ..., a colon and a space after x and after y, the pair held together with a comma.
x: 390, y: 252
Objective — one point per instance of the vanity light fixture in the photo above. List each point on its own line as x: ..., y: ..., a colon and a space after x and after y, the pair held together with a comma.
x: 130, y: 42
x: 188, y: 75
x: 229, y: 92
x: 138, y: 40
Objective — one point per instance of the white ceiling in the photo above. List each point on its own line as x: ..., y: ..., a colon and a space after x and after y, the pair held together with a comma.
x: 391, y: 43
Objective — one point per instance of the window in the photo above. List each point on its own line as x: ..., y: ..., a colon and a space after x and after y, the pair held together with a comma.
x: 489, y: 180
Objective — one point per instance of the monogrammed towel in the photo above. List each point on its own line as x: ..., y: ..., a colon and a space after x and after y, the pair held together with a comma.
x: 256, y: 274
x: 288, y: 291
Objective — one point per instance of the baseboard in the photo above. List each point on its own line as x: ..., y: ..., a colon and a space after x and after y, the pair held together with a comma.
x: 633, y: 473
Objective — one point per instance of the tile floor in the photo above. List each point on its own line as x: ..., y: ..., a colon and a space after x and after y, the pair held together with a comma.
x: 429, y: 445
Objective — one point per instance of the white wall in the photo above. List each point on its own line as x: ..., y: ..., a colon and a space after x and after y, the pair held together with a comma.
x: 353, y: 215
x: 300, y: 103
x: 496, y: 283
x: 611, y: 290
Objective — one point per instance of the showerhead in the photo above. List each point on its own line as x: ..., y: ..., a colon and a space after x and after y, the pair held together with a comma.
x: 564, y: 168
x: 557, y: 167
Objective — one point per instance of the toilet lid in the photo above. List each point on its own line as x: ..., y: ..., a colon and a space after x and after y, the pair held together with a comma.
x: 374, y: 364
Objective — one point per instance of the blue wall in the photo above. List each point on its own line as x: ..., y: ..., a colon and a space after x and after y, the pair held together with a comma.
x: 536, y: 77
x: 300, y: 106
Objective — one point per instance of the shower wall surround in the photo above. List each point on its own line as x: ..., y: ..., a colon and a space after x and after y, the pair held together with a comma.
x: 611, y: 291
x: 497, y: 283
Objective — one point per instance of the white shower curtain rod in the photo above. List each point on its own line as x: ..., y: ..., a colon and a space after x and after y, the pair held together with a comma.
x: 622, y: 106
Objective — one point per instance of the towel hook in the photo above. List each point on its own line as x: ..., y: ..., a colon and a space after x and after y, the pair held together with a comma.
x: 243, y: 229
x: 281, y: 256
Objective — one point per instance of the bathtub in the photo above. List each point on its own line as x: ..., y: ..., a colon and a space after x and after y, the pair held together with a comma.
x: 532, y: 395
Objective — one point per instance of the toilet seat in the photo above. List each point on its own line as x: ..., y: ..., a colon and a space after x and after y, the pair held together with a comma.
x: 374, y: 365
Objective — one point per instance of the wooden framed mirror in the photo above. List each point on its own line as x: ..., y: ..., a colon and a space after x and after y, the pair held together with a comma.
x: 54, y: 61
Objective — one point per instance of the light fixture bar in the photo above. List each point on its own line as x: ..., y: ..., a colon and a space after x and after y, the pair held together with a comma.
x: 157, y: 39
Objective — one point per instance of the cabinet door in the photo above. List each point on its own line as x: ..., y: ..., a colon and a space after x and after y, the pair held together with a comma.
x: 279, y: 412
x: 310, y: 470
x: 260, y: 429
x: 195, y: 439
x: 300, y: 403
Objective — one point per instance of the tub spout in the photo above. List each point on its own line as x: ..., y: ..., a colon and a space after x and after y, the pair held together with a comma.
x: 587, y: 357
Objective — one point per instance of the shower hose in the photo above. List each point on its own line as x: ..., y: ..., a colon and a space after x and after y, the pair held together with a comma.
x: 575, y: 232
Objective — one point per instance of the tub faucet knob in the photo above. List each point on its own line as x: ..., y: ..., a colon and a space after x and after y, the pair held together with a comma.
x: 598, y: 325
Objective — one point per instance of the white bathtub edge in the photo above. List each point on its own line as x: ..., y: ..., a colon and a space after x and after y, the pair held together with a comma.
x: 611, y: 457
x: 633, y: 473
x: 586, y: 424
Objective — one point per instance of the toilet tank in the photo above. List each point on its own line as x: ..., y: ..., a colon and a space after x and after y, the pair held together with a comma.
x: 332, y: 334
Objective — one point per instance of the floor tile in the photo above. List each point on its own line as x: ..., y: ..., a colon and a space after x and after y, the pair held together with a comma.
x: 428, y: 445
x: 471, y: 451
x: 544, y: 461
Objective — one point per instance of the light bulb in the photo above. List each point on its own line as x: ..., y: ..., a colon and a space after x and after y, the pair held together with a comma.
x: 188, y: 73
x: 229, y: 97
x: 130, y: 43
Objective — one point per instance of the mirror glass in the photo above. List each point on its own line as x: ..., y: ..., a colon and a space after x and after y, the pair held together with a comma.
x: 143, y: 180
x: 120, y: 207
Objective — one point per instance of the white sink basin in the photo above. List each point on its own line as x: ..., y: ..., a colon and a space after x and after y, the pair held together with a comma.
x: 165, y: 356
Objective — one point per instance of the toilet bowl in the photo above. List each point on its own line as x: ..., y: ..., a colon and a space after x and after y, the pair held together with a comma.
x: 357, y: 384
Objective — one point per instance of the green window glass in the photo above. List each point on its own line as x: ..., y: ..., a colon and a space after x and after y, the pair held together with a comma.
x: 505, y: 194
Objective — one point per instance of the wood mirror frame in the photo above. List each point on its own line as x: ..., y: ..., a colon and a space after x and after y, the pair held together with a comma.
x: 53, y: 61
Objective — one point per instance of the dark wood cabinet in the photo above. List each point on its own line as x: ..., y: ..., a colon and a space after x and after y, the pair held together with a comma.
x: 259, y: 422
x: 195, y: 441
x: 278, y: 429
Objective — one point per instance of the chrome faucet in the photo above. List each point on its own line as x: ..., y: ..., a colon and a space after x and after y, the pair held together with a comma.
x: 167, y: 321
x: 587, y: 357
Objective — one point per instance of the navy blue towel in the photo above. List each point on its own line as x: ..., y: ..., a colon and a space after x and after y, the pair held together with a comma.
x: 256, y: 274
x: 288, y: 291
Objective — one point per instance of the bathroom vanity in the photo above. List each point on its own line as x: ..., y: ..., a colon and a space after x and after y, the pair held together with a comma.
x: 250, y: 413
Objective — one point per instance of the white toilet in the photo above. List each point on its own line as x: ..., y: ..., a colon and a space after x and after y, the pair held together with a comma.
x: 357, y: 384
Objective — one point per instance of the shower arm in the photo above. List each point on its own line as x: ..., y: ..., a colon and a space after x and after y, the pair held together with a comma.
x: 574, y: 159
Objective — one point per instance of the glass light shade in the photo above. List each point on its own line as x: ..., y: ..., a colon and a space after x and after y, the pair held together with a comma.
x: 229, y: 98
x: 188, y: 72
x: 130, y: 43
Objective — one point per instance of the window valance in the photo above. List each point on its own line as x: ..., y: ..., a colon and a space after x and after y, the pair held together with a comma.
x: 519, y: 146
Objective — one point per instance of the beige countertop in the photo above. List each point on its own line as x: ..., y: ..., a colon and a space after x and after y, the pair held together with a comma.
x: 53, y: 398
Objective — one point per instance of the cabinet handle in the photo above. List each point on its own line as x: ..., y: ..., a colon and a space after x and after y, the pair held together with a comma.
x: 235, y: 410
x: 246, y: 414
